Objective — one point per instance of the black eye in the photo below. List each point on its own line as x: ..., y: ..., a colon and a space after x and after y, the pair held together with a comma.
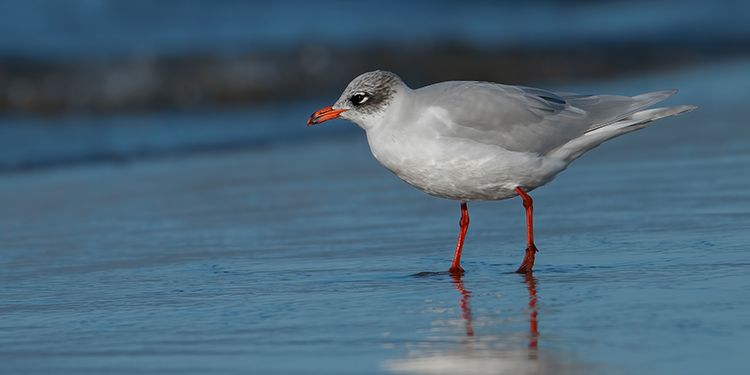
x: 359, y: 98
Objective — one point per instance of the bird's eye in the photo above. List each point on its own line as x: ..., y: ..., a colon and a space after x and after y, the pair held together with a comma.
x: 359, y: 98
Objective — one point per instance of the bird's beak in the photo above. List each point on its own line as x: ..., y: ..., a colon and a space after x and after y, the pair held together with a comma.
x: 324, y: 114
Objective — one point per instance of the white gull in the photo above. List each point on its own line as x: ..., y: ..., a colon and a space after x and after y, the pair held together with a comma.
x: 469, y: 140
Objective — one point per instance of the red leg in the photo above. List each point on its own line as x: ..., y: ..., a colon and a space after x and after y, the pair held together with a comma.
x: 528, y: 259
x: 464, y: 224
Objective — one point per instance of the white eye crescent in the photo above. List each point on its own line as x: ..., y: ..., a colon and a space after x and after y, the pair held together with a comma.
x: 359, y: 98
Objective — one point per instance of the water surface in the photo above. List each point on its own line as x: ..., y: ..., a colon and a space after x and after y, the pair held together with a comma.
x: 301, y: 257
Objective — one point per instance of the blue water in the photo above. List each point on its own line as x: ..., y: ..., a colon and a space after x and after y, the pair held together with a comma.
x: 299, y: 257
x: 720, y: 89
x: 39, y: 141
x: 75, y: 28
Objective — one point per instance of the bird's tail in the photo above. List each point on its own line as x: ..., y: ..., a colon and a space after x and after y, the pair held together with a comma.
x: 596, y: 136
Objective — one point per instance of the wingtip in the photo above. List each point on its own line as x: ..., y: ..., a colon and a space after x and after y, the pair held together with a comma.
x: 655, y: 96
x: 667, y: 93
x: 688, y: 108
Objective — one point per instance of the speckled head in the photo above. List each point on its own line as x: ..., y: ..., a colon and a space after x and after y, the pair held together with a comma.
x: 364, y: 100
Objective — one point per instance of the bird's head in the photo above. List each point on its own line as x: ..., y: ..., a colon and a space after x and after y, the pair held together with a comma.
x: 364, y: 100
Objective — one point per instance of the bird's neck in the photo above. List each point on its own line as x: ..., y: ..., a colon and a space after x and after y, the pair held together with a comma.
x: 400, y: 102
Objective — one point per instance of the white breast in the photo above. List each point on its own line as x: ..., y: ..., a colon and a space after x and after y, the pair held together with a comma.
x: 456, y: 168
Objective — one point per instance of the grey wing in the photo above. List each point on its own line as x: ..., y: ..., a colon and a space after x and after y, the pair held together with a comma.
x: 525, y: 119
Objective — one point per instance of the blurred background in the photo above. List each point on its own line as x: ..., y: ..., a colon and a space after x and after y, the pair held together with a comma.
x: 165, y: 209
x: 88, y: 80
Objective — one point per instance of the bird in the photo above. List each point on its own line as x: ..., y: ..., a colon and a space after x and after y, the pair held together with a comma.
x: 476, y: 140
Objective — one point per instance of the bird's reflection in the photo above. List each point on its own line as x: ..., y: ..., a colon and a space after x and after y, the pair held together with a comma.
x: 533, y: 315
x: 465, y: 296
x: 464, y: 303
x: 486, y: 354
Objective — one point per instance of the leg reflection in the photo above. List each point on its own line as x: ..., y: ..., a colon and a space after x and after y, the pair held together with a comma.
x: 495, y: 350
x: 531, y: 284
x: 464, y: 302
x: 533, y: 323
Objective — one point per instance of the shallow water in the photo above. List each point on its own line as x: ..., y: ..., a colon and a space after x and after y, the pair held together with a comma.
x: 303, y: 258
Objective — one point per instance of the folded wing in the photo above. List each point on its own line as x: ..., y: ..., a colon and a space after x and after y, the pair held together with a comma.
x: 525, y: 119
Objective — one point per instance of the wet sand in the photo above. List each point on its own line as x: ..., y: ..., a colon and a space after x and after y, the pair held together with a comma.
x: 301, y: 258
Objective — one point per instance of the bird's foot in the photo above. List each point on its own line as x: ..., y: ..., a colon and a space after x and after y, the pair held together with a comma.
x: 528, y: 260
x: 456, y: 270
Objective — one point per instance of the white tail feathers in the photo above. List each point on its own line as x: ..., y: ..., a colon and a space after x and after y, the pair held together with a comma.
x: 642, y: 118
x: 623, y: 106
x: 638, y: 120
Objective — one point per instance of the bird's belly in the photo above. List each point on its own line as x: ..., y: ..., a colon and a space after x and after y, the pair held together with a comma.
x: 464, y: 170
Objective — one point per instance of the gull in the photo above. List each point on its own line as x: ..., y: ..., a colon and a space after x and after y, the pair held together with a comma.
x: 471, y: 140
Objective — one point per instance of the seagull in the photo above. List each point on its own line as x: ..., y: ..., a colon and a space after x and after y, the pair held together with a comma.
x: 473, y: 140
